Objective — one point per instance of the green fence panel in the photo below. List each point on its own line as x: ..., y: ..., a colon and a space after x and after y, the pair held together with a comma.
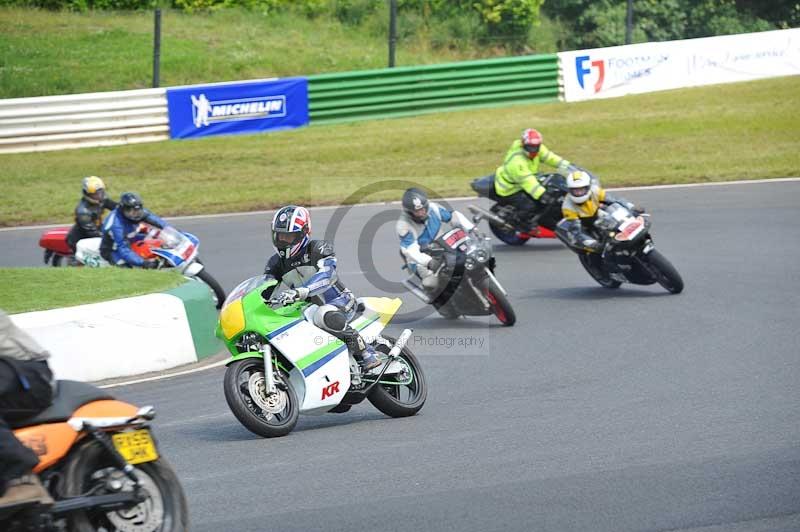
x: 367, y: 94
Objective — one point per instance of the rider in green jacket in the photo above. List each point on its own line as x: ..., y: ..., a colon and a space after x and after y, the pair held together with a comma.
x: 515, y: 181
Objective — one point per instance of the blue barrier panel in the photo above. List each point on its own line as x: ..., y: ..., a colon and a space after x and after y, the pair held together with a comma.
x: 233, y: 108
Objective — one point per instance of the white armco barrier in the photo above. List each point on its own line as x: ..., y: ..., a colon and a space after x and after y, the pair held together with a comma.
x: 114, y: 338
x: 81, y: 120
x: 649, y: 67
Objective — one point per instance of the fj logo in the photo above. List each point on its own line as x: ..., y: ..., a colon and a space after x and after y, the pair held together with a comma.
x: 330, y: 390
x: 582, y: 71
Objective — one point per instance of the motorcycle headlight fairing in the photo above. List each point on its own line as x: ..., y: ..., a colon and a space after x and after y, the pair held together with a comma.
x: 481, y: 255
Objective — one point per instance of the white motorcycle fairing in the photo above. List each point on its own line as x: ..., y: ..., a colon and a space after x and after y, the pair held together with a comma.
x: 321, y: 362
x: 87, y: 252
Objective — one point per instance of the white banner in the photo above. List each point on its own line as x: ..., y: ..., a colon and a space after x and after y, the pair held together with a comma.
x: 648, y: 67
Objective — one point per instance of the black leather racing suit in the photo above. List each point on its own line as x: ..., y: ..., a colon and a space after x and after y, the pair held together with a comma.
x: 315, y: 269
x: 88, y: 220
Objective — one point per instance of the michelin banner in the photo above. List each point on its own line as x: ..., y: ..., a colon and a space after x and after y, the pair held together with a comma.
x: 234, y: 108
x: 648, y: 67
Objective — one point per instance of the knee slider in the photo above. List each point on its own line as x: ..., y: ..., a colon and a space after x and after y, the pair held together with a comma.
x: 336, y: 320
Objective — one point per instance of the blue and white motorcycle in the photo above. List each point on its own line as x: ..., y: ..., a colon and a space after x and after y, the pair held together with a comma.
x: 170, y: 247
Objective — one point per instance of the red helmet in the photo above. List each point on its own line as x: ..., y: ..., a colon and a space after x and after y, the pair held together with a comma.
x: 531, y: 141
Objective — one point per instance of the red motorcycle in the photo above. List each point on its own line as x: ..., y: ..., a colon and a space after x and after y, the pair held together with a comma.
x: 56, y: 250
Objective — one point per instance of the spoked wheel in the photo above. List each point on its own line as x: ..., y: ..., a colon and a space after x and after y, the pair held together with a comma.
x: 92, y: 471
x: 268, y: 415
x: 216, y: 289
x: 402, y: 394
x: 665, y: 273
x: 501, y: 307
x: 592, y: 264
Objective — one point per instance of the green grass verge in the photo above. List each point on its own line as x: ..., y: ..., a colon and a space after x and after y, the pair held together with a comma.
x: 29, y: 289
x: 733, y: 131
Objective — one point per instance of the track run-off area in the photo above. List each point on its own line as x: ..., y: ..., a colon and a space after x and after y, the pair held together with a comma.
x: 601, y: 410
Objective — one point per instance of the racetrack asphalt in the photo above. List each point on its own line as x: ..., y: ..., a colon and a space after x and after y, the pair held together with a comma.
x: 626, y: 410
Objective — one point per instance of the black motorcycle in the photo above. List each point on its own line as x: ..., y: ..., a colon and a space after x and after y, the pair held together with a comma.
x: 508, y: 224
x: 628, y: 253
x: 466, y: 282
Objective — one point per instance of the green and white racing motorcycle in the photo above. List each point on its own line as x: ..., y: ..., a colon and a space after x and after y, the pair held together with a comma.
x: 282, y: 365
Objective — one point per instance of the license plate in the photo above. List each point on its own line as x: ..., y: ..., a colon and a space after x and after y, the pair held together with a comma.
x: 136, y: 446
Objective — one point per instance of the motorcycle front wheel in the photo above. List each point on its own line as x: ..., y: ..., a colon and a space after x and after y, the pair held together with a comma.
x: 511, y: 238
x: 400, y: 395
x: 501, y: 307
x: 592, y: 264
x: 666, y: 274
x: 216, y: 288
x: 269, y: 416
x: 92, y: 469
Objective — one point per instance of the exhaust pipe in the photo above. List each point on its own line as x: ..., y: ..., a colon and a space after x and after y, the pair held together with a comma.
x: 414, y: 289
x: 400, y: 344
x: 483, y: 213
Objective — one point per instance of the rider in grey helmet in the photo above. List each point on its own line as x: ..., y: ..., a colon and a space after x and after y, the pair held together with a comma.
x: 422, y: 222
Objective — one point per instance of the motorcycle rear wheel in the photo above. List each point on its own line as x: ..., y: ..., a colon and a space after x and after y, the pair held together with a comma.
x: 591, y: 269
x: 666, y: 274
x: 390, y: 398
x: 247, y: 410
x: 167, y: 498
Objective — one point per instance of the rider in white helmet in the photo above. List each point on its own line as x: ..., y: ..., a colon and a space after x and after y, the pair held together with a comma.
x: 580, y: 208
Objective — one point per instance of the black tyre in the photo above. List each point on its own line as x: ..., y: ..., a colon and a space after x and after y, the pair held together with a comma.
x: 592, y: 264
x: 448, y: 312
x: 268, y: 416
x: 216, y: 289
x: 501, y: 307
x: 509, y: 237
x: 91, y: 469
x: 400, y: 395
x: 666, y: 274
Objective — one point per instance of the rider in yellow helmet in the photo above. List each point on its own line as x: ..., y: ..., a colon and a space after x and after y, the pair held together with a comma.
x: 89, y: 211
x: 580, y: 208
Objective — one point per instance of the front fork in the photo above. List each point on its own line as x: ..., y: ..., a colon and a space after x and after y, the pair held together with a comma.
x: 270, y: 383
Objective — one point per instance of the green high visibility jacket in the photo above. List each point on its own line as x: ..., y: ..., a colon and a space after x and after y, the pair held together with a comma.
x: 518, y: 171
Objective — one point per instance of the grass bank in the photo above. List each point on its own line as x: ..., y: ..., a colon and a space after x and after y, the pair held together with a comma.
x: 734, y: 131
x: 46, y: 53
x: 29, y: 289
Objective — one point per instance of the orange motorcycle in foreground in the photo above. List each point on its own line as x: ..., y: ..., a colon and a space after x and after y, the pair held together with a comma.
x: 100, y: 464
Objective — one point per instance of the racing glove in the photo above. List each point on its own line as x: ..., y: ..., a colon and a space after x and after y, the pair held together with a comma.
x: 592, y: 244
x: 287, y: 297
x: 150, y: 264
